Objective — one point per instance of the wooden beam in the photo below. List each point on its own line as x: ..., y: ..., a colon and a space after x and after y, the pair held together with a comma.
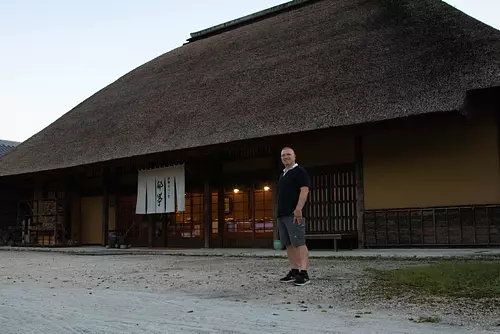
x: 207, y: 213
x: 105, y: 207
x: 151, y: 230
x: 68, y: 195
x: 274, y: 189
x: 221, y: 214
x: 169, y: 220
x: 497, y: 116
x: 360, y: 198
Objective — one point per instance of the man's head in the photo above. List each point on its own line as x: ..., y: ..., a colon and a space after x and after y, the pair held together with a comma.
x: 288, y: 157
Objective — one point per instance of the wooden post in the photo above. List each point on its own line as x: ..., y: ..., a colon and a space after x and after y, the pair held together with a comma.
x: 165, y: 222
x: 360, y: 199
x: 221, y: 214
x: 105, y: 207
x: 274, y: 189
x: 151, y: 230
x: 68, y: 195
x: 497, y: 115
x: 207, y: 213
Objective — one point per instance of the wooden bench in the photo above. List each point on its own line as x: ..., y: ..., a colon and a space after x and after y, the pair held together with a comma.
x: 332, y: 236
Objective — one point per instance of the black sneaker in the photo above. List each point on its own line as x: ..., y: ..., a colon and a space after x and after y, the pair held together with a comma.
x: 290, y: 277
x: 302, y: 279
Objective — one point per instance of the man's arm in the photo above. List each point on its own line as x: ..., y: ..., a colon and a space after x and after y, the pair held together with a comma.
x: 304, y: 192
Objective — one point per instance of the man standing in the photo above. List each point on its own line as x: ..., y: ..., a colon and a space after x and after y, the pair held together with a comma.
x: 293, y: 189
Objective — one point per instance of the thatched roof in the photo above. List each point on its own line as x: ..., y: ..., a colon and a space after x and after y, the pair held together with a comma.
x: 6, y: 146
x: 329, y: 63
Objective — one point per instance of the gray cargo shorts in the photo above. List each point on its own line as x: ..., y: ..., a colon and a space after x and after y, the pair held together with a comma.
x: 291, y: 233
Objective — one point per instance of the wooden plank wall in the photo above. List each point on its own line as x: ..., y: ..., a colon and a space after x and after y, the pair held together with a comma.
x: 447, y: 226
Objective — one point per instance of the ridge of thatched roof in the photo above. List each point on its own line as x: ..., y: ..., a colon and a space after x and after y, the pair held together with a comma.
x: 330, y: 63
x: 248, y: 19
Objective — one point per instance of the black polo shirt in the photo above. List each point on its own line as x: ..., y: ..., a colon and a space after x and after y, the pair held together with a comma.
x: 289, y: 185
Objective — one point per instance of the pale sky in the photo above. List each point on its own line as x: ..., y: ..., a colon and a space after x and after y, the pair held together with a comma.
x: 56, y: 53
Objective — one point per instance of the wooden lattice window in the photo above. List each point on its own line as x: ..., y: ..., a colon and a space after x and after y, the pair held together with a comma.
x: 331, y: 207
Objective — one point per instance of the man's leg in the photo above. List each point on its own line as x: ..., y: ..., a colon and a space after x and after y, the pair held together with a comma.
x: 303, y: 257
x: 302, y: 253
x: 298, y: 256
x: 292, y: 255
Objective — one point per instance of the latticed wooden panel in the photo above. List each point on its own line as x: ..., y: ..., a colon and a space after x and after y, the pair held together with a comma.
x: 331, y: 207
x: 468, y: 225
x: 49, y: 207
x: 47, y: 223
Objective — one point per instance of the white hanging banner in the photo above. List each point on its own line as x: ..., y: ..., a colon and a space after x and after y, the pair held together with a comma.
x: 140, y: 207
x: 158, y: 190
x: 150, y: 192
x: 170, y: 205
x: 180, y: 187
x: 160, y: 193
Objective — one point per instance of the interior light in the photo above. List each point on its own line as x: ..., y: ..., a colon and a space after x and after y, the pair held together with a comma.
x: 266, y: 188
x: 235, y: 190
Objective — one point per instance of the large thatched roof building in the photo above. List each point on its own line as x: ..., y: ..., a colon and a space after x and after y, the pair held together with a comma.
x: 287, y: 73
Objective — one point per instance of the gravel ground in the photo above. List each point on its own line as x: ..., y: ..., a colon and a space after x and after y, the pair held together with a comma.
x: 338, y: 291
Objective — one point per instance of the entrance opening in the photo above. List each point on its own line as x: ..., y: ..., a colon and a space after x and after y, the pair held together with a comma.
x: 248, y: 217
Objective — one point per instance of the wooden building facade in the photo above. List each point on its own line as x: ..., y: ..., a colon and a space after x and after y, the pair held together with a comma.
x: 427, y: 181
x: 399, y: 131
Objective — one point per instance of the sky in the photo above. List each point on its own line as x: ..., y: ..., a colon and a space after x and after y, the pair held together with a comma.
x: 56, y: 53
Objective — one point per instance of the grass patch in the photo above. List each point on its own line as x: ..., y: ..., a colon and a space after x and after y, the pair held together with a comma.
x: 474, y: 279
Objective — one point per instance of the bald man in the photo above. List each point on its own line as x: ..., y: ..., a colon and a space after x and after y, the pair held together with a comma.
x: 293, y: 189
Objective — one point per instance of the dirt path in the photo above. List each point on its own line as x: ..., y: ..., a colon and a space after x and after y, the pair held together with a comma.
x: 47, y: 293
x: 38, y: 309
